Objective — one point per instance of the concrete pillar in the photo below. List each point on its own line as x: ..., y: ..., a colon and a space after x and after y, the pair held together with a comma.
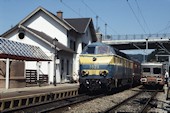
x: 7, y: 73
x: 48, y: 72
x: 38, y: 70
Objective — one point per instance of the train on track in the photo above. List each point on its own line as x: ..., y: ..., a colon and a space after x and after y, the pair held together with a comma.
x: 103, y: 67
x: 152, y: 74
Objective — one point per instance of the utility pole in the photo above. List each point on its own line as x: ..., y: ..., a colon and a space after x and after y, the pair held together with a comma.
x: 97, y: 23
x: 105, y: 30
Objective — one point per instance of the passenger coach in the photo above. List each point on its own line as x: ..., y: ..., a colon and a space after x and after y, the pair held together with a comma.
x: 152, y: 74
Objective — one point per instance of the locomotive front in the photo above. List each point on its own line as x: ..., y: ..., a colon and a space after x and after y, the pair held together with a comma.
x: 96, y: 67
x: 152, y: 74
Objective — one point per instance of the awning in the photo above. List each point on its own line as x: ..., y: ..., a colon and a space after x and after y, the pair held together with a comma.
x: 20, y: 51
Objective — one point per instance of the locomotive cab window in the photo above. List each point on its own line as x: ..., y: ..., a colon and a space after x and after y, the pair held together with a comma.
x: 146, y: 70
x: 102, y: 50
x: 156, y: 70
x: 89, y: 50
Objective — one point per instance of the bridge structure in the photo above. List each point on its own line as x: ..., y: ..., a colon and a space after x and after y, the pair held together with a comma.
x: 142, y: 42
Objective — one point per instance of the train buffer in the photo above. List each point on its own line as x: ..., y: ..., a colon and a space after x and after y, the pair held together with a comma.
x: 16, y: 98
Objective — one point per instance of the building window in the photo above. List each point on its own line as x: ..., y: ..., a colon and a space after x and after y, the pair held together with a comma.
x: 67, y: 67
x: 62, y: 67
x: 73, y: 45
x: 21, y: 34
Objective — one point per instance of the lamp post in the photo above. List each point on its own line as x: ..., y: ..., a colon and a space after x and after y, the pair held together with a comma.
x: 55, y: 41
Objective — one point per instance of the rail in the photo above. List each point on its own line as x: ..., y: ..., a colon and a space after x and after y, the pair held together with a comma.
x: 113, y: 109
x: 144, y: 109
x: 145, y: 103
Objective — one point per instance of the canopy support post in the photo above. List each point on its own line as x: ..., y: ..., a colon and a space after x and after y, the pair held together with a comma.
x: 7, y: 74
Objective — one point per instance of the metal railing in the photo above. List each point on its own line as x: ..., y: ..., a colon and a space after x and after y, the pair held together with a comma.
x: 136, y: 36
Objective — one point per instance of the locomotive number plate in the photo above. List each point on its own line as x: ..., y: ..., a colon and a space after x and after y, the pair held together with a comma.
x: 94, y: 66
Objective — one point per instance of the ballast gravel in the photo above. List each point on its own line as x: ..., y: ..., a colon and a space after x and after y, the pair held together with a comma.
x: 101, y: 104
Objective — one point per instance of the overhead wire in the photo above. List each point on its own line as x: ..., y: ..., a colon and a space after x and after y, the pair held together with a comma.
x: 99, y: 17
x: 142, y: 16
x: 70, y: 8
x: 166, y: 28
x: 136, y: 17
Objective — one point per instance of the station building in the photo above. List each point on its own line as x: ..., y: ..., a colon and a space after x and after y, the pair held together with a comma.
x: 40, y: 27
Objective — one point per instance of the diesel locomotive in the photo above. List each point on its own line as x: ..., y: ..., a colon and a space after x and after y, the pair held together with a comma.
x: 103, y: 67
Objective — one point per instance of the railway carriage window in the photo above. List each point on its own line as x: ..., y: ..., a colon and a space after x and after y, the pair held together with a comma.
x: 128, y: 64
x: 115, y: 59
x: 123, y: 62
x: 131, y: 65
x: 146, y: 70
x: 157, y: 70
x: 120, y: 61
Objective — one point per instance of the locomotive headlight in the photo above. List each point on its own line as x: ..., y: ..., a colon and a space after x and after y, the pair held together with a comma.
x: 143, y: 80
x: 87, y: 82
x: 103, y: 73
x: 159, y: 80
x: 85, y: 73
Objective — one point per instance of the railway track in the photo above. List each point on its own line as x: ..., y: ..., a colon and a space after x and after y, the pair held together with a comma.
x: 139, y: 102
x: 57, y: 105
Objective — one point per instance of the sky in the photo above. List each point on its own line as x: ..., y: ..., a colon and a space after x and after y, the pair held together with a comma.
x: 121, y: 16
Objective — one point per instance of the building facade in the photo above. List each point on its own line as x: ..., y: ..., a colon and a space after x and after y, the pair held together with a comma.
x: 40, y: 27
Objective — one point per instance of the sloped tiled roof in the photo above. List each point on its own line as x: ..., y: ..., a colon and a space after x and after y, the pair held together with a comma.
x: 80, y: 24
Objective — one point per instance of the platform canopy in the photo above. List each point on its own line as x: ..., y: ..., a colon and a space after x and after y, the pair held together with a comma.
x: 20, y: 51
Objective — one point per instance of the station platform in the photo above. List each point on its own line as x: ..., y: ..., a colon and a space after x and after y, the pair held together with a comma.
x: 16, y: 98
x: 14, y: 92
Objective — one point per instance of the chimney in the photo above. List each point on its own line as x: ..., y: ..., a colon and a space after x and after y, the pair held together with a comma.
x: 99, y: 37
x: 60, y: 14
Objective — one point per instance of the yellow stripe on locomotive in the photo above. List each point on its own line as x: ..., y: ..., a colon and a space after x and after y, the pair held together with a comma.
x: 105, y: 59
x: 100, y: 59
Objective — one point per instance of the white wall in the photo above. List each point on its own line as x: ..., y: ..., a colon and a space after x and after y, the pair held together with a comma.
x: 43, y: 23
x: 31, y: 40
x: 85, y: 38
x: 46, y: 24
